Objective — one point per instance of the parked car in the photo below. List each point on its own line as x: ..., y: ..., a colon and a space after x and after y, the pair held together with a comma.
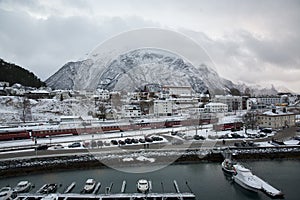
x: 121, y: 142
x: 141, y: 140
x: 148, y: 139
x: 74, y: 145
x: 114, y: 142
x: 57, y: 146
x: 135, y: 141
x: 128, y: 141
x: 42, y: 147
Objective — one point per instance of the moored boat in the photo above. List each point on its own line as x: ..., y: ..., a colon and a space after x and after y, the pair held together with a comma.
x: 143, y: 185
x: 49, y: 188
x: 228, y: 167
x: 23, y: 186
x: 7, y: 193
x: 246, y: 179
x: 89, y: 185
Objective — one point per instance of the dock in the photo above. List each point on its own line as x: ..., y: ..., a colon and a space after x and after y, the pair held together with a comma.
x: 269, y: 189
x: 68, y: 194
x: 119, y: 196
x: 70, y: 187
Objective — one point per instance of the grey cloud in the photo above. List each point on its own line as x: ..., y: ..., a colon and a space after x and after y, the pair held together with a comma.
x: 45, y: 45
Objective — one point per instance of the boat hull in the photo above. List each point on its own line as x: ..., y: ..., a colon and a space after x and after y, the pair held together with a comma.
x: 244, y: 185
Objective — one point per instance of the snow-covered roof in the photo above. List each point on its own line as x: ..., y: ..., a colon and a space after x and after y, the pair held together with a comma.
x: 277, y: 113
x: 39, y: 91
x: 216, y: 104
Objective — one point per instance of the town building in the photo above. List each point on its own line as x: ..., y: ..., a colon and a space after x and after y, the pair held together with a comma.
x: 216, y: 107
x: 234, y: 103
x: 178, y: 90
x: 276, y: 119
x: 162, y: 108
x: 131, y: 111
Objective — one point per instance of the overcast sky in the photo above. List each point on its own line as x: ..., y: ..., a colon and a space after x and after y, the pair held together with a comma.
x: 256, y: 41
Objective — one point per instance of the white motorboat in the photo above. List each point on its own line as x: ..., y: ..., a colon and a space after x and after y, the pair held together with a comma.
x: 246, y: 179
x: 228, y: 167
x: 23, y: 186
x: 142, y: 185
x: 50, y: 197
x: 7, y: 193
x: 89, y: 185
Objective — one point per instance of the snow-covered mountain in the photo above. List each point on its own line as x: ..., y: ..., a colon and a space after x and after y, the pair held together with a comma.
x: 132, y: 70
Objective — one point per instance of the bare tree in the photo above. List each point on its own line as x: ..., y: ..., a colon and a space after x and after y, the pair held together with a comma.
x: 250, y: 120
x: 26, y: 110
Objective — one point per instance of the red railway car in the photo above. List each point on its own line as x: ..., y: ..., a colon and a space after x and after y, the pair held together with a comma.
x: 14, y: 135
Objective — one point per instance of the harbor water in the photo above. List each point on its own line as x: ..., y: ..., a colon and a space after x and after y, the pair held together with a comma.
x: 206, y: 180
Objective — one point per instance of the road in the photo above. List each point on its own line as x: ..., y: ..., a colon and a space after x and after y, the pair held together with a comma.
x: 209, y: 144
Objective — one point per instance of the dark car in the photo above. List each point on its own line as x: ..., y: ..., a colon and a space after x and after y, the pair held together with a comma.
x: 134, y: 140
x: 148, y: 139
x: 141, y: 140
x: 174, y: 132
x: 74, y: 145
x: 42, y: 147
x: 156, y: 138
x: 121, y: 142
x: 114, y: 142
x: 128, y: 141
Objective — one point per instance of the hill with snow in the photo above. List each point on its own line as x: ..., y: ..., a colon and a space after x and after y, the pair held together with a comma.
x: 134, y: 69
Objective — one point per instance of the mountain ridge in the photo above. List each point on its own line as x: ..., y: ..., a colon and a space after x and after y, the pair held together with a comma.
x: 133, y: 69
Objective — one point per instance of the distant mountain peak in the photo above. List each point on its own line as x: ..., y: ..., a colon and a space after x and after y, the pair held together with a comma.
x: 132, y: 70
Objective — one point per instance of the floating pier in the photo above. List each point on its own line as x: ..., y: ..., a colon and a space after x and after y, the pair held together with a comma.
x: 120, y: 196
x: 123, y: 187
x: 70, y: 187
x: 97, y: 188
x: 108, y: 195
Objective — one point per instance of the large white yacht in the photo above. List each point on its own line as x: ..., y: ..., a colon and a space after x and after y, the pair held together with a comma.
x: 246, y: 179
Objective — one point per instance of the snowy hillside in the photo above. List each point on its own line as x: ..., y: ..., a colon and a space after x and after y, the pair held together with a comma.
x: 11, y: 108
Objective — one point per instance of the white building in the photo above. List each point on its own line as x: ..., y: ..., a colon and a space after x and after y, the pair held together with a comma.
x: 179, y: 90
x: 216, y: 107
x: 162, y: 107
x: 269, y: 100
x: 131, y: 111
x: 103, y: 94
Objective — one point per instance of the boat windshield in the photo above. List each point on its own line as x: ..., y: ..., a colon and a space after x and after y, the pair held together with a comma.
x: 3, y: 194
x: 4, y: 190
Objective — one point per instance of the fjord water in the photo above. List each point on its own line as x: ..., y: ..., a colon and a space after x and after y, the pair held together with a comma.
x: 206, y: 180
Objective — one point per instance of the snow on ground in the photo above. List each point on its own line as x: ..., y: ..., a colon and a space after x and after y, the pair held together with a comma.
x: 11, y: 108
x: 291, y: 142
x: 128, y: 159
x: 143, y: 158
x: 264, y: 144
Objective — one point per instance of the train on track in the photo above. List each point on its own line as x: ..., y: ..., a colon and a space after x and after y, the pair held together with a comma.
x: 42, y: 131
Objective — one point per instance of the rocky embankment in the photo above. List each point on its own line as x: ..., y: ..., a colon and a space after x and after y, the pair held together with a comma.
x: 14, y: 167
